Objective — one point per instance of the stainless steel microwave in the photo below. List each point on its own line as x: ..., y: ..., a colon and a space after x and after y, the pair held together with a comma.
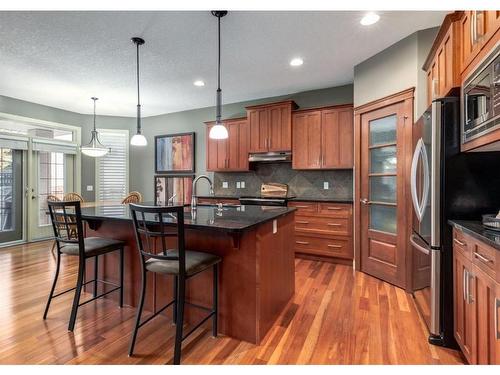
x: 481, y: 98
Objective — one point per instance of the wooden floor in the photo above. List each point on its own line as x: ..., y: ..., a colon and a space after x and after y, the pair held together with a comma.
x: 336, y: 317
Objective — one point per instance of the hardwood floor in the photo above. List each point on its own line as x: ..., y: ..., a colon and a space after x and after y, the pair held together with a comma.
x: 337, y: 316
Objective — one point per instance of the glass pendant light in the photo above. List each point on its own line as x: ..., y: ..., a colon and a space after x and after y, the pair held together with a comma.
x: 218, y: 131
x: 95, y: 148
x: 138, y: 139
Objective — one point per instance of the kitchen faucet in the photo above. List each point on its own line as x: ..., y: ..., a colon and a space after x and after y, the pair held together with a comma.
x: 194, y: 197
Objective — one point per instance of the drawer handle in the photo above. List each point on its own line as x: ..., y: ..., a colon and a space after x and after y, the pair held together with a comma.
x: 459, y: 242
x: 482, y: 258
x: 302, y: 206
x: 302, y: 222
x: 334, y: 224
x: 302, y: 242
x: 334, y: 208
x: 334, y: 246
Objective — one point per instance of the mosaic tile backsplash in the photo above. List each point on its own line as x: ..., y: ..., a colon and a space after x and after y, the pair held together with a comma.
x: 307, y: 184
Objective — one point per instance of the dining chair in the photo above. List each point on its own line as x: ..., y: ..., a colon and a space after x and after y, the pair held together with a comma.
x: 73, y: 197
x: 132, y: 197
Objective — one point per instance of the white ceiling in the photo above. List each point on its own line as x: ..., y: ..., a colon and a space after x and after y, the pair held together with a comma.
x: 61, y: 59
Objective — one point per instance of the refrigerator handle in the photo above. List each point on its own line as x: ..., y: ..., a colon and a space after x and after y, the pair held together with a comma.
x: 414, y: 242
x: 420, y: 152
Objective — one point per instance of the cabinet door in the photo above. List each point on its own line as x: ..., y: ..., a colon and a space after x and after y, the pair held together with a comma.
x: 216, y: 153
x: 447, y: 73
x: 306, y: 146
x: 483, y: 294
x: 473, y: 28
x: 237, y: 149
x: 497, y: 325
x: 259, y: 129
x: 491, y: 23
x: 346, y: 138
x: 280, y: 128
x: 462, y: 305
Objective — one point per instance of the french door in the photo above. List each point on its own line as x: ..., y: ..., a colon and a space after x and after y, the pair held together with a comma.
x: 51, y: 175
x: 382, y: 191
x: 11, y: 195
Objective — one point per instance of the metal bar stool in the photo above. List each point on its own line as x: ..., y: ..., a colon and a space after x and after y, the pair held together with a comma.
x: 182, y: 264
x: 68, y: 231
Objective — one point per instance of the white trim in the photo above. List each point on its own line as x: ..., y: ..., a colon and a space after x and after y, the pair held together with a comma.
x: 127, y: 152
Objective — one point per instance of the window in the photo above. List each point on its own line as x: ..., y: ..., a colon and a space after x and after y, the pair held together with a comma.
x: 112, y: 168
x: 6, y: 189
x: 50, y: 181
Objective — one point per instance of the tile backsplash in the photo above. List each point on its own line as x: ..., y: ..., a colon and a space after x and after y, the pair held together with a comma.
x: 300, y: 183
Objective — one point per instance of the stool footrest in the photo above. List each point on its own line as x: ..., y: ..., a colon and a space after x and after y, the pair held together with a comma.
x: 99, y: 296
x: 156, y: 313
x: 199, y: 324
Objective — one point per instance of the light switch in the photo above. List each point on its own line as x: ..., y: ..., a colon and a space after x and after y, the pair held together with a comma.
x: 326, y: 185
x: 242, y: 184
x: 224, y: 184
x: 90, y: 188
x: 238, y: 185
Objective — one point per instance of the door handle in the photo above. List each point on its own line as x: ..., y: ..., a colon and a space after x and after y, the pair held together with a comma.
x: 464, y: 285
x: 365, y: 201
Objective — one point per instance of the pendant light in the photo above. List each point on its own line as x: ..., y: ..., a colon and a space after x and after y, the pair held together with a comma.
x: 138, y: 139
x: 218, y: 131
x: 95, y: 148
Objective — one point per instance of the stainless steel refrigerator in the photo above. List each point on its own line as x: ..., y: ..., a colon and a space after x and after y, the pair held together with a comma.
x: 445, y: 184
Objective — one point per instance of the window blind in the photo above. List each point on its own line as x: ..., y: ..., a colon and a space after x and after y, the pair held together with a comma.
x: 112, y: 168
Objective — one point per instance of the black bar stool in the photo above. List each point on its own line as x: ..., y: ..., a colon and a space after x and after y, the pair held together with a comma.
x: 68, y: 231
x: 180, y: 263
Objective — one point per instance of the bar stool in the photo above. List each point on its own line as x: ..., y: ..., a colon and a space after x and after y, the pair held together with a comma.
x: 182, y: 264
x: 68, y: 232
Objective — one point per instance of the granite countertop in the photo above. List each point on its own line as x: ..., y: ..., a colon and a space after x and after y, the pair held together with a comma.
x: 304, y: 199
x: 476, y: 230
x: 229, y: 219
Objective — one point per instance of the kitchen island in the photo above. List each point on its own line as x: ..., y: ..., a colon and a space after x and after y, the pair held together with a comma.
x: 257, y: 276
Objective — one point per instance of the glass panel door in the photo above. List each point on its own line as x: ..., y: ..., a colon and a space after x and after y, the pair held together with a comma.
x: 382, y: 180
x: 11, y: 195
x: 53, y: 176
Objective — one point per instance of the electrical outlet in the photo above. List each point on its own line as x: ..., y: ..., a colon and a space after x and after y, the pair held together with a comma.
x: 225, y: 185
x: 242, y: 184
x: 326, y: 185
x: 90, y: 187
x: 238, y: 185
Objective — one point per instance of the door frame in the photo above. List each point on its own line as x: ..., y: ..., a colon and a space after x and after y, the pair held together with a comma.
x: 406, y: 97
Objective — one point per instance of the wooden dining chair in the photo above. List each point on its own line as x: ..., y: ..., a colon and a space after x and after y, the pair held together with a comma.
x: 132, y: 197
x: 53, y: 198
x: 72, y: 197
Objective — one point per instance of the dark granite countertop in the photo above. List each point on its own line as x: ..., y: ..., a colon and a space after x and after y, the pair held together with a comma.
x: 476, y: 230
x: 229, y: 219
x: 304, y: 199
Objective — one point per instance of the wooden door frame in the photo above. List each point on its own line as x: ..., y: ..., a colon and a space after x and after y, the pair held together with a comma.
x: 405, y: 97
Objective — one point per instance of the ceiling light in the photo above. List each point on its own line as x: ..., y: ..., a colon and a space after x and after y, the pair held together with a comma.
x: 199, y: 83
x: 369, y: 19
x: 138, y: 139
x: 94, y: 148
x: 296, y: 62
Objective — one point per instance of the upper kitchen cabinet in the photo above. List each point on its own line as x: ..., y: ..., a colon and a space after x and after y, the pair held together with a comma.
x: 477, y: 28
x: 270, y: 126
x: 323, y: 138
x: 443, y: 62
x: 231, y: 154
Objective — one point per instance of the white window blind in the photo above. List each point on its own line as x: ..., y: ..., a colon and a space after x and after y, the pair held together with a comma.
x: 112, y: 168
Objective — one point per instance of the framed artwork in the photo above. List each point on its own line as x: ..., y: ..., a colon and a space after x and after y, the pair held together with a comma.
x: 174, y: 153
x: 168, y: 186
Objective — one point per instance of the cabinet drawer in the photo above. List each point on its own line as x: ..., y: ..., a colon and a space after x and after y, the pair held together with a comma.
x: 460, y: 243
x: 333, y: 247
x: 322, y: 225
x: 305, y: 208
x: 335, y: 209
x: 485, y: 258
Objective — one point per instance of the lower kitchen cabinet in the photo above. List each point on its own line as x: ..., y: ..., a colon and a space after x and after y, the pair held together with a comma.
x: 324, y: 230
x: 476, y: 299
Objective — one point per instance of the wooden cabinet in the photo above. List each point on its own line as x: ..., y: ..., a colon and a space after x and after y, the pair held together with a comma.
x: 324, y: 230
x: 443, y: 62
x: 229, y: 154
x: 323, y: 138
x: 270, y: 126
x: 476, y: 274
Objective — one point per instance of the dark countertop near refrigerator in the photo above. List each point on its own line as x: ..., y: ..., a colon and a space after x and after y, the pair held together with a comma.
x: 300, y: 199
x: 476, y: 230
x: 229, y: 219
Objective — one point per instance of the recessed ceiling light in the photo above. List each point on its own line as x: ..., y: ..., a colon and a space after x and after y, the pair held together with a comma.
x: 199, y: 83
x: 369, y: 19
x: 296, y: 61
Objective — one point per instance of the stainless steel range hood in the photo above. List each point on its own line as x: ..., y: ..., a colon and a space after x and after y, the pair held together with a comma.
x: 269, y: 157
